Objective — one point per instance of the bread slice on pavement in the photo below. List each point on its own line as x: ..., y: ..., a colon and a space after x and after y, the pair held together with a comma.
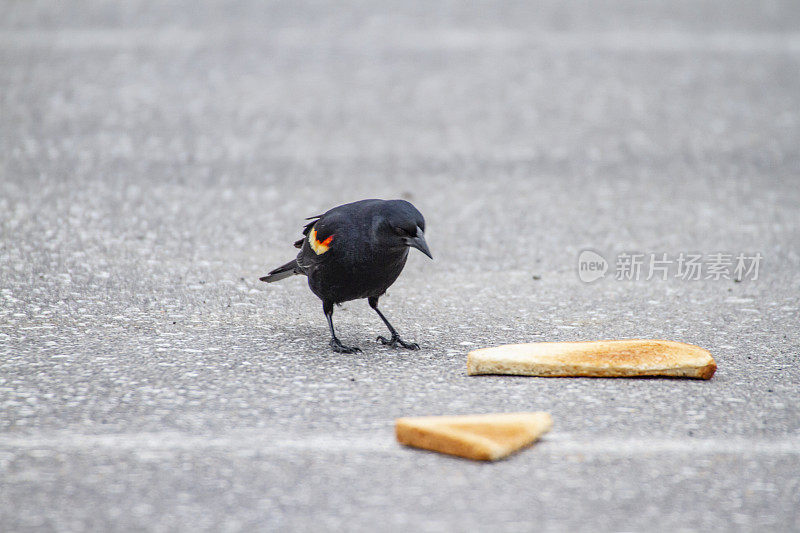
x: 616, y: 358
x: 482, y: 437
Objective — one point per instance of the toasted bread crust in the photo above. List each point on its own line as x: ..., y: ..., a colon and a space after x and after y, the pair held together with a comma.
x: 707, y: 371
x: 480, y: 437
x: 610, y: 358
x: 420, y: 438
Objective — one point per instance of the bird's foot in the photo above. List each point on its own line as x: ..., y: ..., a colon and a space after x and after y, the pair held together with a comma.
x: 396, y: 341
x: 338, y: 347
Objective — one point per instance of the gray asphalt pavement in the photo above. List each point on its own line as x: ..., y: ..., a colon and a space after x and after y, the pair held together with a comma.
x: 156, y: 158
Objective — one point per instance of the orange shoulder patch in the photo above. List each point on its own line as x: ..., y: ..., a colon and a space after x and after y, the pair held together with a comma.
x: 319, y: 247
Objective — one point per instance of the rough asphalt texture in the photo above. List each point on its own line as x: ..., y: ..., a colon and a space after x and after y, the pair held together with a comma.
x: 157, y: 157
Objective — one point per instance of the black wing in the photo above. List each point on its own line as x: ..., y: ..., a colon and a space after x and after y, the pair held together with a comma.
x: 307, y: 229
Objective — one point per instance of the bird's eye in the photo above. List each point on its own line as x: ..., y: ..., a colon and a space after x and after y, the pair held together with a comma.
x: 403, y: 232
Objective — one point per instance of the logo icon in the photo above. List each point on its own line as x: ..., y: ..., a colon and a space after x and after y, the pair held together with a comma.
x: 591, y: 266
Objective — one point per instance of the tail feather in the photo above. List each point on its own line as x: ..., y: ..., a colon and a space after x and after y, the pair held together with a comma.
x: 289, y: 269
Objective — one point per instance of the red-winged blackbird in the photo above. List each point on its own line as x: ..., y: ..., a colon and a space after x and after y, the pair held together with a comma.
x: 355, y: 251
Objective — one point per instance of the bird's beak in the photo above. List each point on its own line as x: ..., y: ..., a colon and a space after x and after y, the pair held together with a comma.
x: 419, y: 243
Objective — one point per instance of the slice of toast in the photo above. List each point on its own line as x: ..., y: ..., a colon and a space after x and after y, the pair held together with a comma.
x: 482, y: 437
x: 617, y: 358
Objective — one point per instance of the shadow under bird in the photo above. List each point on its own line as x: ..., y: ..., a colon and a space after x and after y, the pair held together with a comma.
x: 357, y: 250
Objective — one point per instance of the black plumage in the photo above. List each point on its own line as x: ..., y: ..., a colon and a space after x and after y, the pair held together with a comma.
x: 354, y: 251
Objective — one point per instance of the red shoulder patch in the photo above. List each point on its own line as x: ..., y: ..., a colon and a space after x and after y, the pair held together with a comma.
x: 319, y: 247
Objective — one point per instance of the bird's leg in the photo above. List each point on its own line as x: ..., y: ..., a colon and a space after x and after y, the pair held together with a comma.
x: 336, y: 344
x: 395, y: 340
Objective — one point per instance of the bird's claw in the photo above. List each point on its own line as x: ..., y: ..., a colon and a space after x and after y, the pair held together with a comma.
x: 395, y: 341
x: 338, y: 347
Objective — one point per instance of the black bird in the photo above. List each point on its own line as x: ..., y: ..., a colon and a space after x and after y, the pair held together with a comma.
x: 357, y: 250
